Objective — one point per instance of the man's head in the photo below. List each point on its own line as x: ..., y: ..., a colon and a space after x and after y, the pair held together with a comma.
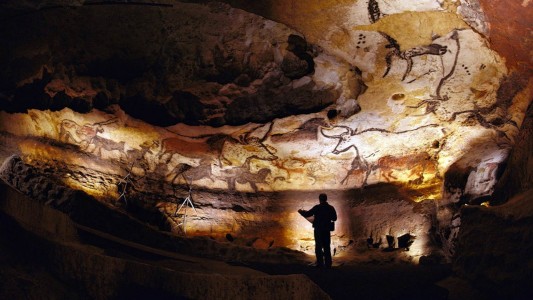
x: 323, y: 198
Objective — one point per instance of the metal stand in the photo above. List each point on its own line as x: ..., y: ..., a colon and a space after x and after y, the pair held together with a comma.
x: 186, y: 203
x: 124, y: 181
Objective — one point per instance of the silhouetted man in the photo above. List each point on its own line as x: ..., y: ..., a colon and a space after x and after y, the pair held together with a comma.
x: 324, y: 218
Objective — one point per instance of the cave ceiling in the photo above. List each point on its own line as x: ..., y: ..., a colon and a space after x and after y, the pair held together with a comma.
x: 264, y: 97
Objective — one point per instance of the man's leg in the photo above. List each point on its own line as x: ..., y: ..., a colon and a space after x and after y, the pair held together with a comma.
x: 326, y: 240
x: 318, y: 249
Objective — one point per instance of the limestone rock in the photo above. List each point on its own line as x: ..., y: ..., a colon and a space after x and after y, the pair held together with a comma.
x: 167, y: 70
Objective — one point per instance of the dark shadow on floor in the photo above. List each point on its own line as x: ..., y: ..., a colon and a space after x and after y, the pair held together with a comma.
x: 389, y: 281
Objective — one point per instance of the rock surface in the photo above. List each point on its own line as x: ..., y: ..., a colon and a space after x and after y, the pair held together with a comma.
x: 167, y: 65
x: 403, y: 113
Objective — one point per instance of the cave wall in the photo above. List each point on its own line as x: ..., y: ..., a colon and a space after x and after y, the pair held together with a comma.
x: 158, y: 64
x: 517, y: 176
x: 131, y: 103
x: 422, y: 128
x: 494, y: 243
x: 499, y: 262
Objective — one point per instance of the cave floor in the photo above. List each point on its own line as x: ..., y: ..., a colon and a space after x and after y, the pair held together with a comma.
x: 23, y: 275
x: 382, y: 281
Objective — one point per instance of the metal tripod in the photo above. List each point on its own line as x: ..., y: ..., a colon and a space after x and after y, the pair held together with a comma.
x: 124, y: 182
x: 186, y: 203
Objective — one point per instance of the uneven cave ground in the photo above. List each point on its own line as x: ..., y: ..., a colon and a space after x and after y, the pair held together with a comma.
x: 25, y: 274
x: 30, y: 270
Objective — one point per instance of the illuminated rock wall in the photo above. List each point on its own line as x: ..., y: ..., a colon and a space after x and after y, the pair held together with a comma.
x: 410, y: 102
x: 167, y: 65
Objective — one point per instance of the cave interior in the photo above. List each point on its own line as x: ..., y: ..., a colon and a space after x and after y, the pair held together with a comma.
x: 161, y: 149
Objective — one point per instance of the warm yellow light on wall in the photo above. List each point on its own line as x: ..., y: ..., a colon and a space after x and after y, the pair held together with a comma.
x: 94, y: 189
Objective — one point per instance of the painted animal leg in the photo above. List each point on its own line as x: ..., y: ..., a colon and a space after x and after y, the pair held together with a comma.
x: 388, y: 60
x: 254, y: 186
x: 345, y: 179
x: 231, y: 184
x: 388, y: 175
x: 409, y: 67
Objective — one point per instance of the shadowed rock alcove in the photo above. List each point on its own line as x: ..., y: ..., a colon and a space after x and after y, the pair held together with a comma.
x: 415, y: 119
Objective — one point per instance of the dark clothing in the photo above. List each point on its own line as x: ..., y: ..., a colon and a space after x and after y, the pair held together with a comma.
x: 325, y: 215
x: 323, y: 248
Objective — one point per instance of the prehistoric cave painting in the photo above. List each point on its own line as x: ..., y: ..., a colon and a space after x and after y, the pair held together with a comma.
x: 293, y: 166
x: 433, y: 103
x: 108, y: 145
x: 195, y: 157
x: 203, y: 170
x: 454, y: 37
x: 347, y: 139
x: 437, y: 97
x: 478, y: 114
x: 171, y: 146
x: 221, y: 147
x: 360, y: 170
x: 361, y: 41
x: 350, y: 138
x: 244, y: 175
x: 81, y: 135
x: 139, y: 157
x: 466, y: 70
x: 248, y: 146
x: 374, y: 13
x: 416, y: 164
x: 507, y: 91
x: 253, y: 179
x: 308, y: 131
x: 87, y: 138
x: 407, y: 55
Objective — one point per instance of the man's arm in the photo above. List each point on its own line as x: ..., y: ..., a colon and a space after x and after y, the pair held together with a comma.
x: 307, y: 213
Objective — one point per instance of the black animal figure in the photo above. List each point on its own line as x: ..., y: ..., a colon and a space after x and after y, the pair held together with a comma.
x: 395, y: 50
x: 407, y: 55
